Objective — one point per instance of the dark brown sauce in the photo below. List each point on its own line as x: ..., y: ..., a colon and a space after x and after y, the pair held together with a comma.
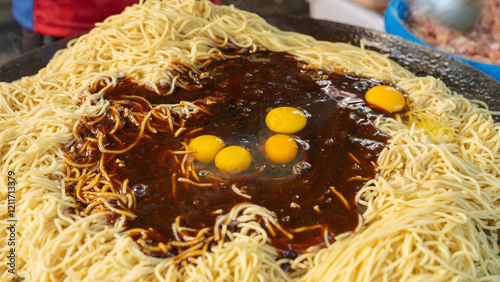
x: 340, y: 146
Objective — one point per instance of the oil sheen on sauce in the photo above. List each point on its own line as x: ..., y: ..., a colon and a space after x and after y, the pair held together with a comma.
x: 338, y: 149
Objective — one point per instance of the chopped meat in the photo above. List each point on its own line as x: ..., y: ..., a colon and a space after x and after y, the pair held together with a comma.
x: 481, y: 43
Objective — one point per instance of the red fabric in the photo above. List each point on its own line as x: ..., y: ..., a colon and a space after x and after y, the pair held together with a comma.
x: 63, y: 18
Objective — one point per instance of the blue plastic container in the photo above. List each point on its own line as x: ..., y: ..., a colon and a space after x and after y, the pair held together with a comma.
x: 394, y: 18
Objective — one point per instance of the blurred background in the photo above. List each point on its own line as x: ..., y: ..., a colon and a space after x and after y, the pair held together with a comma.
x: 10, y: 33
x: 365, y: 13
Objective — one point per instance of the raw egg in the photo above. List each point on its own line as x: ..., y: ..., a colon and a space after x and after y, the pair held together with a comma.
x: 286, y: 120
x: 233, y: 159
x: 281, y: 148
x: 206, y: 147
x: 386, y: 97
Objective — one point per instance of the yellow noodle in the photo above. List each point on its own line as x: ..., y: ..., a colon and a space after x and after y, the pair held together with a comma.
x: 432, y: 213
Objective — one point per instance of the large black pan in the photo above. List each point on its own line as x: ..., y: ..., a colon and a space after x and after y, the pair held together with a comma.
x: 419, y: 59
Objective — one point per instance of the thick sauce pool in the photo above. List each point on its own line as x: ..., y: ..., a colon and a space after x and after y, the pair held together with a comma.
x: 312, y: 196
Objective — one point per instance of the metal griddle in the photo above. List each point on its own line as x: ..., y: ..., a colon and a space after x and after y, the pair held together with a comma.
x: 419, y: 59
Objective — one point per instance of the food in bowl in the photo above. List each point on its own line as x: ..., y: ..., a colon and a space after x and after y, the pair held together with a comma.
x: 481, y: 43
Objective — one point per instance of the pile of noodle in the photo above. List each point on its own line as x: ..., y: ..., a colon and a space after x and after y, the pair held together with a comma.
x: 433, y: 211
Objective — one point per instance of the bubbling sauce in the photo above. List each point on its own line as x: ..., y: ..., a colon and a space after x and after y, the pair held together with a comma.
x: 311, y: 196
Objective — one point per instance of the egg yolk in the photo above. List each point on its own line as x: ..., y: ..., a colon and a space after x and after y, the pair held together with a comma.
x: 205, y: 147
x: 233, y: 159
x: 286, y: 120
x: 281, y: 148
x: 386, y: 97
